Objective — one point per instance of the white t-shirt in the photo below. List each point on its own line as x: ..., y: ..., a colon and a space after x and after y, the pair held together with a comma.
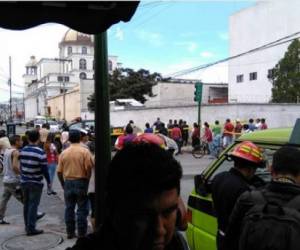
x: 9, y: 176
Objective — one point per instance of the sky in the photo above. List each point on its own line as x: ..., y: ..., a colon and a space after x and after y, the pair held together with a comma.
x: 162, y: 36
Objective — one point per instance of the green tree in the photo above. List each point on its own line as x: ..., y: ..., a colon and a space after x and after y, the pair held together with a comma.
x: 285, y: 76
x: 127, y: 83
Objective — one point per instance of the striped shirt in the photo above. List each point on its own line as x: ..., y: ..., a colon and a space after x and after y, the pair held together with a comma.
x: 1, y: 162
x: 33, y: 161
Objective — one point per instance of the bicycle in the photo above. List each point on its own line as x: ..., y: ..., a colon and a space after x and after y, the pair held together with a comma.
x: 200, y: 150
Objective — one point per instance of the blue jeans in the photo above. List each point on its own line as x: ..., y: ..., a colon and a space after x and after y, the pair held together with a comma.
x: 31, y: 197
x: 52, y: 171
x: 76, y: 194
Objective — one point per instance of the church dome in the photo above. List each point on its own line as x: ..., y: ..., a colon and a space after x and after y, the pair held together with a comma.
x: 78, y: 38
x: 32, y: 62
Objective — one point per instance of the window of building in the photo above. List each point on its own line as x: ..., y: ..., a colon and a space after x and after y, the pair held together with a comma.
x: 110, y: 66
x: 82, y: 64
x: 69, y: 50
x: 63, y: 78
x: 239, y: 78
x: 84, y: 50
x: 82, y: 75
x: 253, y: 76
x: 270, y: 73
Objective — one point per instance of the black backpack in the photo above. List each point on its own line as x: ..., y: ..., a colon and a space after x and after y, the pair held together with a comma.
x: 269, y: 225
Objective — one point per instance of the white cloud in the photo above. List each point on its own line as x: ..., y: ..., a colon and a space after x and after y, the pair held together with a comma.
x: 189, y: 45
x: 184, y: 64
x: 206, y: 54
x: 223, y: 36
x: 119, y: 34
x: 155, y: 39
x: 192, y: 46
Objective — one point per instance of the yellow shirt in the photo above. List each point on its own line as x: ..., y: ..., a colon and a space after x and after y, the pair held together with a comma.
x: 75, y: 162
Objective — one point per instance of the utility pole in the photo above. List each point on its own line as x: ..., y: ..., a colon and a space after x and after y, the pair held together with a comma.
x: 10, y: 96
x: 64, y: 91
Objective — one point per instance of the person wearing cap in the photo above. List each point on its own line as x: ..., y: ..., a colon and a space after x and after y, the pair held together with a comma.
x: 284, y: 190
x: 74, y: 171
x: 228, y: 186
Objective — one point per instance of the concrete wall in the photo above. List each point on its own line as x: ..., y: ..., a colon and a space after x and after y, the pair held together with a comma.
x: 72, y: 100
x: 177, y: 93
x: 277, y: 115
x: 253, y: 27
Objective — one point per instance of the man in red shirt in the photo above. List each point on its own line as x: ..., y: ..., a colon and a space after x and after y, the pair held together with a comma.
x: 208, y: 137
x: 228, y: 133
x: 177, y: 136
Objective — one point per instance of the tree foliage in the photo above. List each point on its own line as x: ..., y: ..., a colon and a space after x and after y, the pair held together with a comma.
x: 127, y: 83
x: 286, y: 76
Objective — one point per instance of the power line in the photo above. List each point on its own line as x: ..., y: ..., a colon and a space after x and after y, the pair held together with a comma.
x: 263, y: 47
x: 15, y: 92
x: 153, y: 15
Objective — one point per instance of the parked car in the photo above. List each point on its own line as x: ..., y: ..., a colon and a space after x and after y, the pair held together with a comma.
x: 54, y: 126
x: 89, y: 125
x: 202, y: 226
x: 39, y: 122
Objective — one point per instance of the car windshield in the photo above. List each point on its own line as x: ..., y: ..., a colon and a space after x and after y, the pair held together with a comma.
x: 263, y: 173
x: 52, y: 123
x: 39, y: 121
x: 75, y: 126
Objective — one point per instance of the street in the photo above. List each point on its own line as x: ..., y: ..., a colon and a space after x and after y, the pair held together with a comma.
x: 190, y: 166
x: 12, y: 236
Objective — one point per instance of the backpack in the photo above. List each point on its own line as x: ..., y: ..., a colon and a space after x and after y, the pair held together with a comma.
x: 269, y: 225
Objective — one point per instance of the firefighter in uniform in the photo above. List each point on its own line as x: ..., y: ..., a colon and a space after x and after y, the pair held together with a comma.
x: 228, y: 186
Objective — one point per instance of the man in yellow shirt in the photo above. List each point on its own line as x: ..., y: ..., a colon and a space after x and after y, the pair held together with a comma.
x: 74, y: 170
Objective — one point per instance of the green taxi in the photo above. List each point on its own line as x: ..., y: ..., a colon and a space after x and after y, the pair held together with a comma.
x: 202, y: 226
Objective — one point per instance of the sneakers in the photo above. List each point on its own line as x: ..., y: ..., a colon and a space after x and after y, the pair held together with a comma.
x: 3, y: 222
x: 35, y: 232
x: 40, y: 215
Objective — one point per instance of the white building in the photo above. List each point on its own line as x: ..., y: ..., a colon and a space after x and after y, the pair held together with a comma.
x: 253, y: 27
x: 181, y: 92
x: 49, y: 77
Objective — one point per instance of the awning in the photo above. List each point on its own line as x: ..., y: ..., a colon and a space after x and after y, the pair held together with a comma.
x: 90, y: 17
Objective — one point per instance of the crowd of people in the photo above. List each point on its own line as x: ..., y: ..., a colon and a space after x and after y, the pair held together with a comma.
x: 216, y: 136
x: 145, y: 210
x: 26, y: 161
x: 37, y: 157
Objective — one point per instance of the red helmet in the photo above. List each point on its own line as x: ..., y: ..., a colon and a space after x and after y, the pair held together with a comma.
x: 150, y: 138
x: 248, y: 151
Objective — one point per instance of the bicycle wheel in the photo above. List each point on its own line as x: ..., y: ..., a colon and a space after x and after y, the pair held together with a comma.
x: 198, y: 151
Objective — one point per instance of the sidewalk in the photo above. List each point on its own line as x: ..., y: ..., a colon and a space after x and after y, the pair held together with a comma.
x: 13, y: 236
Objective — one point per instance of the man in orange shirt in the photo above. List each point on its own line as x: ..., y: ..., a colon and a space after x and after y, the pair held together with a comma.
x: 74, y: 171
